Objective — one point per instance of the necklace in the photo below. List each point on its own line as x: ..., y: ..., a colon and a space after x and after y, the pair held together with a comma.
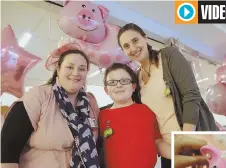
x: 148, y: 72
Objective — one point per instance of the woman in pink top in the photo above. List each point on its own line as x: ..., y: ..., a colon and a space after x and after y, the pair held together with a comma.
x: 54, y: 125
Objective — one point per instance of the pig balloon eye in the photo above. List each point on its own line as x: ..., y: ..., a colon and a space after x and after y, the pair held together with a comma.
x: 83, y: 6
x: 93, y: 10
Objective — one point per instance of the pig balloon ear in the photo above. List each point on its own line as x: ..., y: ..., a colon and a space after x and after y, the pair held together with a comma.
x: 104, y: 12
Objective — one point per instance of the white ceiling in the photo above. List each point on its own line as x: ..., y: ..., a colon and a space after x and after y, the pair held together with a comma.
x: 163, y: 12
x: 40, y: 18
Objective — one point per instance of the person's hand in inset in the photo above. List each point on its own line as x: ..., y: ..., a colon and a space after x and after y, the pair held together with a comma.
x: 187, y: 152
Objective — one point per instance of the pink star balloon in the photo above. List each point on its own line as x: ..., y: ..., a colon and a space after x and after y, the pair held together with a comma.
x: 15, y: 63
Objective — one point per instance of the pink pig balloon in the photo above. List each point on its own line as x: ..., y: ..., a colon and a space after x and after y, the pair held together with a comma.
x: 215, y: 157
x: 15, y: 63
x: 85, y: 23
x: 216, y: 98
x: 84, y: 20
x: 221, y: 74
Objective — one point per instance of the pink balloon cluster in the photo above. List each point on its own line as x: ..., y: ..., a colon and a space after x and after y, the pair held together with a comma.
x: 216, y: 94
x: 15, y: 63
x: 85, y: 23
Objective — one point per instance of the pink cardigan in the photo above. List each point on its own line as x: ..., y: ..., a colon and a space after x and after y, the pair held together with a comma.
x: 50, y: 145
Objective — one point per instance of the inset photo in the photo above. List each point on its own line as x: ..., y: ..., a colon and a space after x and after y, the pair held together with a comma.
x: 199, y: 149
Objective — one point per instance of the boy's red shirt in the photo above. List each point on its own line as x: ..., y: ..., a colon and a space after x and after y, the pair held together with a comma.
x: 132, y: 144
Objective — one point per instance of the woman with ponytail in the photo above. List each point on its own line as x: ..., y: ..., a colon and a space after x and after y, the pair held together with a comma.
x: 168, y: 86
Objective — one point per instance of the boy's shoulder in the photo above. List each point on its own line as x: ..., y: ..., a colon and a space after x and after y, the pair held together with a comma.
x: 106, y: 107
x: 144, y: 107
x: 135, y: 107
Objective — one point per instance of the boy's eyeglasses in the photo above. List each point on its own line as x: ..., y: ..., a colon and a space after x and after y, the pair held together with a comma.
x: 121, y: 81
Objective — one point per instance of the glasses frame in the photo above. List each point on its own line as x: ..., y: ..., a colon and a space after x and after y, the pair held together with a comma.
x: 119, y: 81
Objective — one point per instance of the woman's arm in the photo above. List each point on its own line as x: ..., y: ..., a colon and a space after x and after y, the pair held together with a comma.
x: 186, y: 83
x: 16, y: 131
x: 100, y: 149
x: 189, y: 127
x: 163, y: 148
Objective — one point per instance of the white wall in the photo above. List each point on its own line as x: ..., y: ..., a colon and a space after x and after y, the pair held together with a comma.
x: 101, y: 97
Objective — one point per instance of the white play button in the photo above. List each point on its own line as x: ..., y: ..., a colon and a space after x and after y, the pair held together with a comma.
x: 186, y: 12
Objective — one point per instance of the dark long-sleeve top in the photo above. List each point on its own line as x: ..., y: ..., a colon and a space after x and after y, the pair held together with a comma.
x: 16, y: 131
x: 189, y: 105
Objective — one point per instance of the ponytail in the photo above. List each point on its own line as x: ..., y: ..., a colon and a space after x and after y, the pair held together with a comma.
x: 136, y: 96
x: 153, y: 55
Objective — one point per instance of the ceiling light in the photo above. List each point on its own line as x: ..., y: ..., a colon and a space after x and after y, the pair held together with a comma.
x: 220, y: 27
x: 24, y: 40
x: 96, y: 73
x: 27, y: 88
x: 202, y: 80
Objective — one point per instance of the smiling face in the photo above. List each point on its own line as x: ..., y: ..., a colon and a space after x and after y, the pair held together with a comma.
x: 120, y: 93
x: 134, y: 45
x: 72, y: 72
